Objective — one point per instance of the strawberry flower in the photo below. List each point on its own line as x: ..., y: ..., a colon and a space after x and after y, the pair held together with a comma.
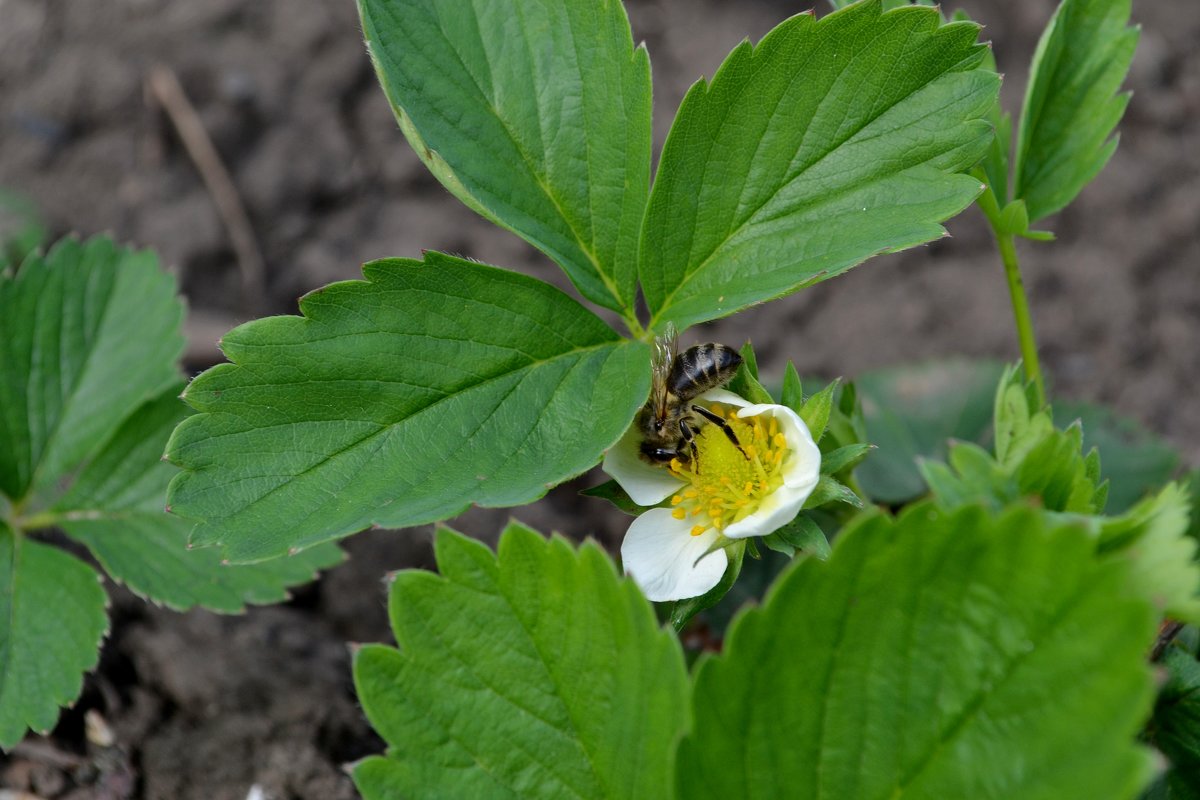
x: 725, y: 494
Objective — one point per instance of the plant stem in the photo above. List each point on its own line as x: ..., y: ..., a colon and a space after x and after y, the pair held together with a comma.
x: 1020, y: 304
x: 42, y: 519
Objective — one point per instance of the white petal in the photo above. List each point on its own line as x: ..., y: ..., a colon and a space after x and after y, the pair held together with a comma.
x: 724, y: 396
x: 646, y: 484
x: 801, y: 471
x: 660, y: 554
x: 802, y: 467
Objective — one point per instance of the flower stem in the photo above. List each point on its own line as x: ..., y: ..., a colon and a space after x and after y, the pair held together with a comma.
x: 1020, y: 304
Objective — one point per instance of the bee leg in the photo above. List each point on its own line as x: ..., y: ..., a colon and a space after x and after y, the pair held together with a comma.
x: 716, y: 419
x: 689, y: 436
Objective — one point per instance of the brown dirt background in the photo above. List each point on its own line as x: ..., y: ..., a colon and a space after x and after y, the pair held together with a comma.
x: 204, y: 706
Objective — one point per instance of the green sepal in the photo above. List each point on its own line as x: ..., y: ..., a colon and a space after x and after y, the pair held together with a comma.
x: 792, y: 394
x: 745, y: 382
x: 683, y: 610
x: 801, y: 535
x: 831, y: 490
x: 845, y: 458
x: 816, y: 409
x: 611, y: 491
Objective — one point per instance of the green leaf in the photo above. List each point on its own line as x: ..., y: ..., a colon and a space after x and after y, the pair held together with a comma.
x: 1136, y: 462
x: 831, y: 141
x: 935, y: 656
x: 1152, y: 536
x: 86, y: 333
x: 22, y: 230
x: 888, y: 5
x: 115, y: 508
x: 52, y: 618
x: 1014, y: 219
x: 912, y: 411
x: 1038, y: 236
x: 1175, y: 727
x: 396, y: 401
x: 536, y: 115
x: 1071, y: 105
x: 995, y: 162
x: 536, y: 674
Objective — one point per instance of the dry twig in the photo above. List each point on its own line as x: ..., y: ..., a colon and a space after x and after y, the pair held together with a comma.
x: 164, y: 86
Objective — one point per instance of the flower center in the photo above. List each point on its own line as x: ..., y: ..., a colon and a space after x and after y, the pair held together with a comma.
x: 726, y: 484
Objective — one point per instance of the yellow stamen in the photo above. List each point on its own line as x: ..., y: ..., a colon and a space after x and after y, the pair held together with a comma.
x: 727, y: 483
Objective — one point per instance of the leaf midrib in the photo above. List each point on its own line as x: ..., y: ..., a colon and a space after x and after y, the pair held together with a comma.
x: 534, y: 173
x: 972, y: 708
x: 748, y: 219
x: 6, y: 653
x: 387, y: 426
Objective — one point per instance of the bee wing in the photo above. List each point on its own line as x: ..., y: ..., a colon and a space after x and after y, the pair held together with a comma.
x: 665, y: 347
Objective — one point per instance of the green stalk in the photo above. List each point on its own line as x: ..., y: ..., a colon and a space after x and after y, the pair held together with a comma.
x: 1020, y: 304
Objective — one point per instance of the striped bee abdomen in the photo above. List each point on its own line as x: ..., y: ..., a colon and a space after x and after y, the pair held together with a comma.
x: 700, y: 368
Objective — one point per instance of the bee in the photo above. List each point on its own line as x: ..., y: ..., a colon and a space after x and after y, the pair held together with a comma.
x: 669, y: 420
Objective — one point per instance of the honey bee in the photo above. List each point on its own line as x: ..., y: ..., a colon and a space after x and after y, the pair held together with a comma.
x: 669, y: 420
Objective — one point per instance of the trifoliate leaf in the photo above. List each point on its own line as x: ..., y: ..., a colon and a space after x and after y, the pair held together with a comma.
x: 830, y: 141
x: 536, y: 115
x: 537, y: 674
x: 115, y: 507
x: 934, y: 656
x: 86, y: 333
x: 52, y: 619
x: 399, y: 400
x: 1071, y: 104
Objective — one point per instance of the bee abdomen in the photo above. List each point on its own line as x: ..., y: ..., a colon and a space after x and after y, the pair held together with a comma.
x: 702, y: 367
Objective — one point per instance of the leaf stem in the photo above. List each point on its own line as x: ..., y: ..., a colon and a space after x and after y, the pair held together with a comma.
x: 636, y: 331
x: 1020, y: 304
x: 50, y: 519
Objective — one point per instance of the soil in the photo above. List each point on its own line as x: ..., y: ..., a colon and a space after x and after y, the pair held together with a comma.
x: 204, y: 706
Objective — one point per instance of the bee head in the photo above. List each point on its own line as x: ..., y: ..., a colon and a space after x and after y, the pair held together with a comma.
x: 659, y: 455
